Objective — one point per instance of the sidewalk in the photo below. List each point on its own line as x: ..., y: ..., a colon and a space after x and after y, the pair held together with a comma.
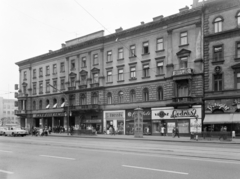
x: 146, y: 138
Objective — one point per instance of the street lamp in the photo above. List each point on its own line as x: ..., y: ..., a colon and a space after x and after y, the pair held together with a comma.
x: 67, y: 107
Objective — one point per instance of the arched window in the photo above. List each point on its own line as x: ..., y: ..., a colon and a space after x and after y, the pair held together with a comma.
x: 62, y: 102
x: 238, y: 18
x: 34, y: 105
x: 40, y: 104
x: 54, y: 103
x: 159, y: 93
x: 47, y: 104
x: 132, y: 96
x: 94, y: 98
x: 72, y: 99
x: 145, y: 94
x: 83, y: 99
x: 120, y: 97
x: 109, y: 98
x: 218, y: 22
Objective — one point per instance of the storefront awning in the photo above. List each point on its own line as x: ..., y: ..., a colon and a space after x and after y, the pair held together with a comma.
x: 218, y: 118
x: 236, y: 118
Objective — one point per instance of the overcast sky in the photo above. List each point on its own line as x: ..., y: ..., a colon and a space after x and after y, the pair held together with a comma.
x: 33, y: 27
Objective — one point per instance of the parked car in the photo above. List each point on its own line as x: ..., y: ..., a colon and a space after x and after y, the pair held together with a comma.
x: 2, y: 130
x: 15, y: 131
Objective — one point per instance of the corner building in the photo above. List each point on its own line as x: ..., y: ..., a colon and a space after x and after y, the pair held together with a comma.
x: 157, y: 66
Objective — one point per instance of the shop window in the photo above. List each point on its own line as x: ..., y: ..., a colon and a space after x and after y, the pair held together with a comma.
x: 109, y: 98
x: 218, y: 22
x: 132, y: 96
x: 94, y: 98
x: 120, y: 97
x: 145, y: 94
x: 83, y: 99
x: 183, y: 126
x: 160, y: 93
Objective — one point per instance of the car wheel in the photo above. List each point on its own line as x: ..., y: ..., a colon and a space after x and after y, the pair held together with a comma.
x: 4, y: 134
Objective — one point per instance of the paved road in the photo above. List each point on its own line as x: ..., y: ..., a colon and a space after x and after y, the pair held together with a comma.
x: 67, y: 158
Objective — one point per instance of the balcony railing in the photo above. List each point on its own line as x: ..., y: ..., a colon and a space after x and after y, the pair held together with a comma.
x: 94, y: 85
x: 22, y: 95
x: 17, y: 112
x: 185, y: 71
x: 183, y: 99
x: 84, y: 107
x: 71, y: 88
x: 82, y: 86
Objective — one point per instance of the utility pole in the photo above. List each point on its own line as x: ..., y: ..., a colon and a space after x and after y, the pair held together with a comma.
x: 67, y: 106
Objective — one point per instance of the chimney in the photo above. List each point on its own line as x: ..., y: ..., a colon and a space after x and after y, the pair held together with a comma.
x: 184, y: 9
x: 50, y: 51
x: 63, y: 45
x: 158, y: 18
x: 142, y: 23
x: 119, y: 29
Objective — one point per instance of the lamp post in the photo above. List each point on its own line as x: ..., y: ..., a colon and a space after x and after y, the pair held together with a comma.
x: 67, y: 107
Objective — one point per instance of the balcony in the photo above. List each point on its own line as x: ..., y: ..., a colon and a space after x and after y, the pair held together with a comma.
x: 20, y: 112
x: 94, y: 85
x: 84, y: 107
x: 22, y: 95
x: 82, y: 86
x: 185, y: 71
x: 183, y: 99
x: 72, y: 88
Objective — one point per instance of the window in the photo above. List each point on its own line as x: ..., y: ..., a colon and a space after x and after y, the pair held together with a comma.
x: 159, y: 68
x: 132, y: 96
x: 109, y: 98
x: 62, y: 102
x: 54, y: 68
x: 95, y: 59
x: 34, y: 73
x: 47, y: 104
x: 238, y: 50
x: 120, y: 97
x: 34, y: 88
x: 145, y: 94
x: 109, y: 56
x: 183, y: 38
x: 34, y: 105
x: 83, y: 99
x: 84, y: 62
x: 218, y: 25
x: 40, y: 87
x: 120, y: 74
x: 24, y: 90
x: 40, y: 104
x: 72, y: 100
x: 72, y: 64
x: 145, y: 48
x: 54, y: 85
x: 40, y: 72
x: 183, y: 63
x: 109, y: 76
x: 94, y: 98
x: 182, y: 89
x: 238, y: 18
x: 120, y: 53
x: 24, y: 75
x: 218, y: 53
x: 55, y: 103
x: 132, y: 51
x: 132, y: 72
x: 83, y: 80
x: 62, y: 67
x: 47, y: 70
x: 159, y: 93
x: 218, y: 82
x: 238, y: 80
x: 160, y: 44
x: 95, y: 77
x: 145, y: 70
x: 62, y: 84
x: 47, y: 87
x: 72, y: 82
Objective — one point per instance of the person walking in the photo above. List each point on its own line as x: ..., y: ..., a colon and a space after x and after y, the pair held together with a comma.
x: 162, y: 130
x: 173, y: 132
x: 176, y: 132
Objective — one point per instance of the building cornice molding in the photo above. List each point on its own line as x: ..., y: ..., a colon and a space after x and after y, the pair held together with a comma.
x: 223, y: 35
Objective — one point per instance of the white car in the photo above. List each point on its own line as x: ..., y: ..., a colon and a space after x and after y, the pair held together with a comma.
x: 2, y: 130
x: 14, y: 131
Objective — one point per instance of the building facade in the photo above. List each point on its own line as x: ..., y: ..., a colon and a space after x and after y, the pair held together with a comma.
x: 221, y: 65
x: 99, y: 80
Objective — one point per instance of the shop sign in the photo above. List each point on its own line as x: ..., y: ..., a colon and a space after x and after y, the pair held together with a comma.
x: 223, y: 107
x: 176, y: 113
x: 49, y: 114
x: 92, y: 121
x: 146, y: 114
x: 114, y: 115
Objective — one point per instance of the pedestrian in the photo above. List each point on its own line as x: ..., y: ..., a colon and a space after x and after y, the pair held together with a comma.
x: 173, y: 131
x: 221, y: 136
x: 176, y: 132
x: 162, y: 130
x: 113, y: 131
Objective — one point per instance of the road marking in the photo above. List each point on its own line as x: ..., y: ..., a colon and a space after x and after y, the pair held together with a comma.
x: 167, y: 171
x: 5, y: 151
x: 7, y: 172
x: 58, y: 157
